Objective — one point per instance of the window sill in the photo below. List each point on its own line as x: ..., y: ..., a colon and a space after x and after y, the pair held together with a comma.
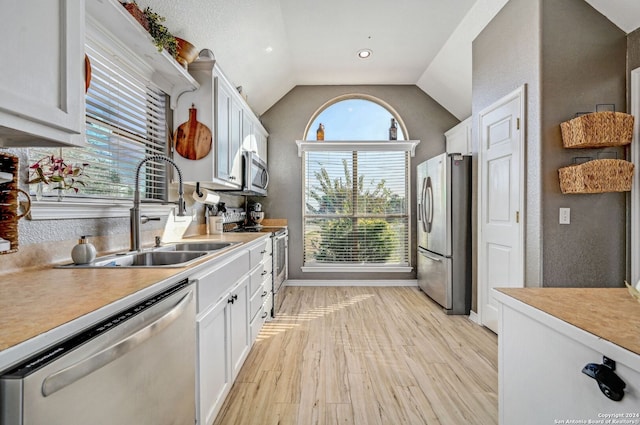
x: 91, y: 208
x: 356, y: 269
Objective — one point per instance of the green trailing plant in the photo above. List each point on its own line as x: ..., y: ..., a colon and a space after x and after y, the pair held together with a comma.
x: 163, y: 39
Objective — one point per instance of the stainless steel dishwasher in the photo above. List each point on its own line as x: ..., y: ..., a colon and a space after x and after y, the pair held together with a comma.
x: 136, y: 367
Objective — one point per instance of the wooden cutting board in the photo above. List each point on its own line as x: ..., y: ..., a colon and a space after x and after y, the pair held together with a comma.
x: 192, y: 139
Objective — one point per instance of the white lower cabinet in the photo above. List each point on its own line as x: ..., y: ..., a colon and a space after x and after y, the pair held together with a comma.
x: 540, y: 372
x: 239, y: 325
x: 214, y: 377
x: 231, y: 311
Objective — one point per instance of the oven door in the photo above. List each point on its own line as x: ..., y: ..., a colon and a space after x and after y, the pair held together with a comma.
x: 280, y: 267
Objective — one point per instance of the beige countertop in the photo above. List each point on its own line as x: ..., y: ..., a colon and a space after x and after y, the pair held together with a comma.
x: 608, y: 313
x: 35, y: 302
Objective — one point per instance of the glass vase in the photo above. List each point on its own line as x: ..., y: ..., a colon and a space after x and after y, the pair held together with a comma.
x: 60, y: 193
x: 39, y: 188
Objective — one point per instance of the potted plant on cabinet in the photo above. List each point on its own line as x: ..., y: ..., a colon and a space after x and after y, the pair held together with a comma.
x: 153, y: 24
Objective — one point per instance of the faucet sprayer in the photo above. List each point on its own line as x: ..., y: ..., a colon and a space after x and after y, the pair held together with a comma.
x: 134, y: 212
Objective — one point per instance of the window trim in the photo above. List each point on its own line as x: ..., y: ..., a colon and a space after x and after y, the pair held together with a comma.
x: 92, y: 208
x: 356, y: 269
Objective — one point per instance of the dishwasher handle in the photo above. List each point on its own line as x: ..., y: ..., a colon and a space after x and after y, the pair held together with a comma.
x: 67, y: 376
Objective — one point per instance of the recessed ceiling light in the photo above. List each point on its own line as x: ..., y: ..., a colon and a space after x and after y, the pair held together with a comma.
x: 364, y: 53
x: 268, y: 49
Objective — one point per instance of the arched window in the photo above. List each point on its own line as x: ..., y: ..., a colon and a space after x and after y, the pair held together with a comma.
x: 355, y: 118
x: 356, y: 187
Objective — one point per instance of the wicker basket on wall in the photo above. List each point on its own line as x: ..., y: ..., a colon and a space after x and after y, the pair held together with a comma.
x: 597, y: 176
x: 598, y: 130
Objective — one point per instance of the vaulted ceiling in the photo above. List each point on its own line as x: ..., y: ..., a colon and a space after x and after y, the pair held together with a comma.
x: 270, y: 46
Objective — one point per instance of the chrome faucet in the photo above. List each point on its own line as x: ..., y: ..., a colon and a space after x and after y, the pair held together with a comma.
x: 134, y: 213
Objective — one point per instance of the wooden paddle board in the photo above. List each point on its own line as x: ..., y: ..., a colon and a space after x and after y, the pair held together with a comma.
x: 192, y: 139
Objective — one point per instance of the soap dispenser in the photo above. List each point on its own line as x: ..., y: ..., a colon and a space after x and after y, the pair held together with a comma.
x: 83, y: 252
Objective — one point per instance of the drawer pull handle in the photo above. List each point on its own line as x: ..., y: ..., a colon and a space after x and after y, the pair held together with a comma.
x: 264, y: 294
x: 264, y: 315
x: 264, y: 273
x: 264, y: 251
x: 609, y: 383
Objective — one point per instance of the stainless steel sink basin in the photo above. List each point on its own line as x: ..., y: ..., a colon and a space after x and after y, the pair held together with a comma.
x: 201, y: 246
x: 144, y: 259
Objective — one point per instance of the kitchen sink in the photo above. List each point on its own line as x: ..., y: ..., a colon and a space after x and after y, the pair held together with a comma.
x: 144, y: 259
x: 197, y: 246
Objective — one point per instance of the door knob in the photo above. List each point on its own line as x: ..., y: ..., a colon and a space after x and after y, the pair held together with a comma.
x: 608, y: 381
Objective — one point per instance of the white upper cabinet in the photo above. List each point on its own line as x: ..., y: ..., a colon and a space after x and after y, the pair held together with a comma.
x: 42, y: 73
x: 233, y: 124
x: 459, y: 138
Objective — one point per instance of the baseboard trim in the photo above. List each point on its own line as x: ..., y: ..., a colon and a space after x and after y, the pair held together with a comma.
x: 473, y: 316
x: 341, y: 282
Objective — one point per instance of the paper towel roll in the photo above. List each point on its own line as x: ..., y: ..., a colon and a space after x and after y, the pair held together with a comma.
x: 206, y: 197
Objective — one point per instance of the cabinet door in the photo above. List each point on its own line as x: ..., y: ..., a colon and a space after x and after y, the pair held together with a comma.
x: 214, y: 371
x: 42, y: 68
x: 261, y: 144
x: 239, y: 321
x: 458, y: 139
x: 235, y: 144
x: 223, y: 139
x: 248, y: 136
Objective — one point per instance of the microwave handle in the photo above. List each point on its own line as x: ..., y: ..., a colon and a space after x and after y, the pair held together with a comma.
x: 266, y: 173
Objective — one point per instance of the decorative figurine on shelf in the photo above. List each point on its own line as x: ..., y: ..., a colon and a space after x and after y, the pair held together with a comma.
x: 320, y: 132
x: 393, y: 130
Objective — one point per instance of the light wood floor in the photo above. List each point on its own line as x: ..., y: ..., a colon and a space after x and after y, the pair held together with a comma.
x: 366, y: 355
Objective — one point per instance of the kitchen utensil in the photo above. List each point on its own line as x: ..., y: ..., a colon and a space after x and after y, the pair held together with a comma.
x: 192, y: 139
x: 87, y: 73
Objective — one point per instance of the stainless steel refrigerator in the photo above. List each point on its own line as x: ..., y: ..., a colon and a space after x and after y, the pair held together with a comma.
x: 444, y: 231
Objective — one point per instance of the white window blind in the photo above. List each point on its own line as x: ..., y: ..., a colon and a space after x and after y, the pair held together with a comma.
x: 125, y: 122
x: 356, y: 208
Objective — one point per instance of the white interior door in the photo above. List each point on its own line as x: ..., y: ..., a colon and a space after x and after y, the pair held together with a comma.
x: 501, y: 194
x: 635, y: 188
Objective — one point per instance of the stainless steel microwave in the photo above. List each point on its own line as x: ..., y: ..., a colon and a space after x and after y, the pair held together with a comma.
x: 256, y: 176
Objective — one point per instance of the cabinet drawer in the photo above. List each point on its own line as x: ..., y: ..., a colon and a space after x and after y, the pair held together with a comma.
x: 214, y: 283
x: 260, y: 252
x: 257, y: 300
x: 268, y: 306
x: 256, y: 325
x: 258, y: 276
x: 267, y: 282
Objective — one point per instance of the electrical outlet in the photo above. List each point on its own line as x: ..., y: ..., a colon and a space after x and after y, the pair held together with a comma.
x: 565, y: 215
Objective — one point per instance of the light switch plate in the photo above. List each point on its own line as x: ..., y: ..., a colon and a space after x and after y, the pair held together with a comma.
x: 565, y: 215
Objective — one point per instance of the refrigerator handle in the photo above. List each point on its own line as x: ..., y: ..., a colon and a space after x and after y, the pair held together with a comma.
x: 429, y: 214
x: 426, y: 253
x: 421, y: 206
